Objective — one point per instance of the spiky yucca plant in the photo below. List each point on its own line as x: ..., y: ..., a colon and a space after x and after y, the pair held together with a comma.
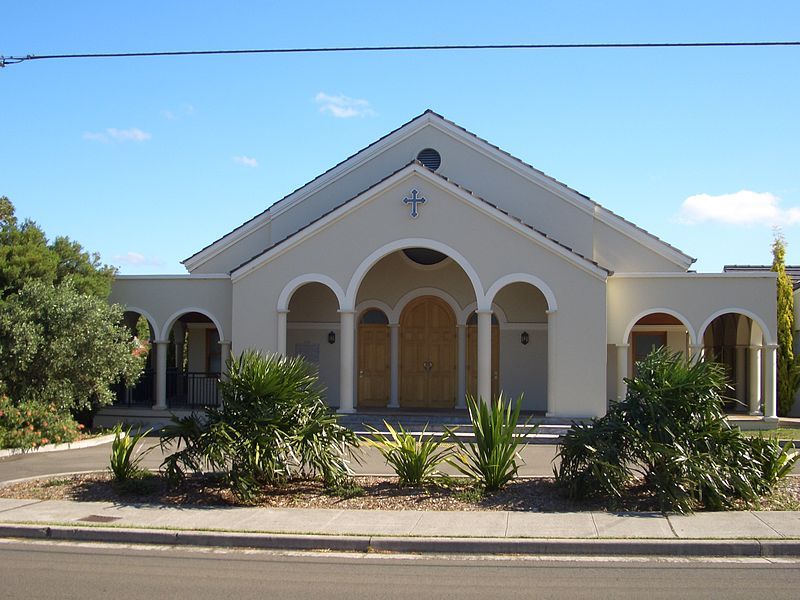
x: 413, y: 458
x: 492, y: 460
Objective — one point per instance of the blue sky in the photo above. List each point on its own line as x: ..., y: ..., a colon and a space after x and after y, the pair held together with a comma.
x: 148, y: 160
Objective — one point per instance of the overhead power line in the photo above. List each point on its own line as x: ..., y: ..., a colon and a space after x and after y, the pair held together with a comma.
x: 12, y: 60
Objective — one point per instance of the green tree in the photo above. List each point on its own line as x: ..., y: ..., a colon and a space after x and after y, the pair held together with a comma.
x: 64, y: 348
x: 788, y: 364
x: 26, y: 255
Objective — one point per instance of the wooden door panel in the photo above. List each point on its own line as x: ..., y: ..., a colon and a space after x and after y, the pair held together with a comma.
x: 427, y: 354
x: 373, y: 365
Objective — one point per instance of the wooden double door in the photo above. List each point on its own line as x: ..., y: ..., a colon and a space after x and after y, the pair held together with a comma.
x: 428, y: 366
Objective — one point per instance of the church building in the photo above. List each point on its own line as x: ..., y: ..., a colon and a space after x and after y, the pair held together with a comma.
x: 431, y: 265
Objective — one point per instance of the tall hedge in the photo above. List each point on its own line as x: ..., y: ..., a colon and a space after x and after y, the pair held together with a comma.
x: 788, y: 364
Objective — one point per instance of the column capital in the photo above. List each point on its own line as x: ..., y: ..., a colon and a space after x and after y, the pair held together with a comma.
x: 224, y: 342
x: 623, y: 345
x: 771, y: 346
x: 697, y: 346
x: 755, y: 347
x: 159, y: 341
x: 282, y: 311
x: 346, y: 311
x: 551, y: 311
x: 484, y: 311
x: 394, y: 325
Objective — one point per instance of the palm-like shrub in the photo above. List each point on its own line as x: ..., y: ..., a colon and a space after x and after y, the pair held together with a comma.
x: 492, y: 460
x: 414, y: 459
x: 125, y: 457
x: 671, y: 435
x: 273, y: 426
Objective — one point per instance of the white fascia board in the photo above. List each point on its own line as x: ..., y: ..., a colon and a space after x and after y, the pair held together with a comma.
x: 307, y: 190
x: 180, y: 276
x: 577, y: 200
x: 732, y: 275
x: 439, y: 182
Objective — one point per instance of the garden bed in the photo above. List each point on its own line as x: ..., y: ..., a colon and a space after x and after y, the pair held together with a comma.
x: 374, y: 493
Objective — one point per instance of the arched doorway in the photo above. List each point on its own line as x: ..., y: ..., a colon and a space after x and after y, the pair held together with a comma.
x: 472, y: 356
x: 143, y: 332
x: 374, y: 359
x: 428, y: 359
x: 313, y: 332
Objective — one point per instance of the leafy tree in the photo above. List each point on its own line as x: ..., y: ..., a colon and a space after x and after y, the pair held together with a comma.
x: 788, y: 363
x: 62, y: 347
x: 26, y: 255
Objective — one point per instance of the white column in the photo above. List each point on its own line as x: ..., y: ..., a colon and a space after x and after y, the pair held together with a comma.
x: 551, y: 362
x: 755, y: 380
x: 741, y: 379
x: 161, y: 374
x: 394, y: 362
x: 461, y: 397
x: 224, y: 354
x: 179, y: 333
x: 697, y: 350
x: 282, y: 319
x: 484, y: 354
x: 622, y: 371
x: 346, y: 360
x: 770, y: 382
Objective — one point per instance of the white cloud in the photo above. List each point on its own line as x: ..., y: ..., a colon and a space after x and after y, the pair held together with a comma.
x: 121, y: 135
x: 185, y: 110
x: 740, y: 208
x: 343, y: 107
x: 247, y: 161
x: 136, y: 259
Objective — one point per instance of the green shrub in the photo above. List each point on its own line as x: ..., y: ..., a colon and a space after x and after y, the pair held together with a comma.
x: 670, y: 434
x: 125, y: 458
x: 33, y: 424
x: 414, y: 459
x: 273, y: 426
x: 492, y: 459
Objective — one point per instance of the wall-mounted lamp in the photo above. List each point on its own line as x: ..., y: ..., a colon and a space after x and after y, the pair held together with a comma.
x: 331, y: 337
x: 524, y: 338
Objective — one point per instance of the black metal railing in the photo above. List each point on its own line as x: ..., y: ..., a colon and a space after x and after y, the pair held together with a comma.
x: 192, y: 390
x: 184, y: 390
x: 141, y: 394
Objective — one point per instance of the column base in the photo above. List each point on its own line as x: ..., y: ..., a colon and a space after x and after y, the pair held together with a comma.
x: 770, y: 419
x: 157, y: 407
x: 346, y: 411
x: 755, y: 413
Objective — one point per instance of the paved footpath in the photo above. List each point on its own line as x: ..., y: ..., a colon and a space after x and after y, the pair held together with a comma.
x: 515, y: 532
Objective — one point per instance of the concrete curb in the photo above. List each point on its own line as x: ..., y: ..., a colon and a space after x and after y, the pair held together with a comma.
x: 754, y: 548
x: 88, y: 443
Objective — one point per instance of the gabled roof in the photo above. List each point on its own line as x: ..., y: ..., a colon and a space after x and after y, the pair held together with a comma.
x: 430, y: 117
x: 793, y: 271
x: 417, y: 167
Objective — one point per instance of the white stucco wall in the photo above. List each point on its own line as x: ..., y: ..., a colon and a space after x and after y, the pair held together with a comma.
x: 490, y: 249
x: 696, y: 297
x: 163, y: 299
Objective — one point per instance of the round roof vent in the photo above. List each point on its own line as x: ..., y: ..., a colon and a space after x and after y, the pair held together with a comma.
x: 430, y: 158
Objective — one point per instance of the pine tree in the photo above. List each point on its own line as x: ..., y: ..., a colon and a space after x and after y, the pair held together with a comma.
x: 788, y: 364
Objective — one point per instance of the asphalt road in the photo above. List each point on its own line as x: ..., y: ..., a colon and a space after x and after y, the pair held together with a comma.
x: 87, y: 572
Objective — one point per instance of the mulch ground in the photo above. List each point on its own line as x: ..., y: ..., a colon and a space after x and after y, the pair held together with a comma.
x: 383, y: 493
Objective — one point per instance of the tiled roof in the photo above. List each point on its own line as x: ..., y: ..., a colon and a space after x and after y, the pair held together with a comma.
x: 793, y: 271
x: 450, y: 182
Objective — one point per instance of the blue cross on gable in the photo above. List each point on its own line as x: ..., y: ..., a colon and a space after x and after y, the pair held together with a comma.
x: 413, y: 201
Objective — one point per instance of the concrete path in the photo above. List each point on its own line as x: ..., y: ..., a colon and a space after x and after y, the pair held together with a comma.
x: 704, y: 534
